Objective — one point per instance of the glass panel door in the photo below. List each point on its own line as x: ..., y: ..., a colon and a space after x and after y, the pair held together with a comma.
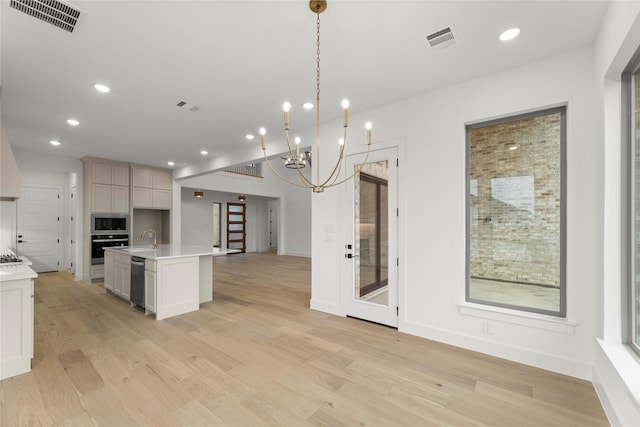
x: 236, y: 226
x: 372, y: 238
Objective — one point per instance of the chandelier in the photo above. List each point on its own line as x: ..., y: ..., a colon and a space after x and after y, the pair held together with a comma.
x: 297, y: 160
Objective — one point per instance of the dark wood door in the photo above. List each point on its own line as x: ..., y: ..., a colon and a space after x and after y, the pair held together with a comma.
x: 236, y: 226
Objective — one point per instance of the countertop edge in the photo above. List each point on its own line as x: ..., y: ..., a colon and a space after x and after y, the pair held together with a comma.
x: 179, y: 252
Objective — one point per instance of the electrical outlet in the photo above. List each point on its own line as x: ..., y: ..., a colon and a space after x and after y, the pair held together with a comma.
x: 487, y: 327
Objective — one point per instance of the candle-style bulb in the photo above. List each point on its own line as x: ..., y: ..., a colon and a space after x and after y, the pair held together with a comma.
x: 286, y: 107
x: 341, y: 141
x: 368, y: 126
x: 345, y: 111
x: 263, y: 139
x: 297, y: 141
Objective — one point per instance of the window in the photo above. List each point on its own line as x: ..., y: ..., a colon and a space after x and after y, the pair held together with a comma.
x: 516, y: 212
x: 631, y: 80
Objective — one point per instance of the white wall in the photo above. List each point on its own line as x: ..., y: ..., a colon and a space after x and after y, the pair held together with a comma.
x: 8, y: 225
x: 294, y: 233
x: 616, y: 372
x: 197, y: 219
x: 430, y: 130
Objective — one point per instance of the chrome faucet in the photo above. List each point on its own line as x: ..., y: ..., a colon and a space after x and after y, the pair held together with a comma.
x: 150, y: 230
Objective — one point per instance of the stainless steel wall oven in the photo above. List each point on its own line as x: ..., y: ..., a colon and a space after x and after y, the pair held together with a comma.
x: 107, y: 230
x: 101, y: 241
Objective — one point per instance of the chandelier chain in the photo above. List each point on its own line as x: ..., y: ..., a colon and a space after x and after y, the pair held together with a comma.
x: 318, y: 55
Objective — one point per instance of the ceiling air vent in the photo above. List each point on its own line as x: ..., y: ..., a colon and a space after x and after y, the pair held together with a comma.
x: 443, y: 38
x: 51, y: 11
x: 191, y: 107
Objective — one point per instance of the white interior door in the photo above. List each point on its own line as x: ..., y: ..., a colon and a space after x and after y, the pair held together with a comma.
x: 39, y: 226
x: 273, y: 225
x: 372, y: 237
x: 73, y: 239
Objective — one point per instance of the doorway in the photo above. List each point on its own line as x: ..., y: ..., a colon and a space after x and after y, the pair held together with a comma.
x: 372, y: 234
x: 217, y: 224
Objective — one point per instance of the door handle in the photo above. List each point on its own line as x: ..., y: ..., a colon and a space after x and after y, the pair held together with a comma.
x: 22, y: 241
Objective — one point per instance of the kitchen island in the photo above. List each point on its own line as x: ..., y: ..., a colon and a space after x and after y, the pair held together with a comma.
x: 16, y: 315
x: 177, y: 278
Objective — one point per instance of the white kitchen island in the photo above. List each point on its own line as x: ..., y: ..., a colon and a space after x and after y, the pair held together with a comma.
x: 177, y: 278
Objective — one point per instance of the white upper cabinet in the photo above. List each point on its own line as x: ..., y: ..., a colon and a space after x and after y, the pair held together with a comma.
x: 151, y: 188
x: 161, y: 180
x: 109, y: 187
x: 142, y: 177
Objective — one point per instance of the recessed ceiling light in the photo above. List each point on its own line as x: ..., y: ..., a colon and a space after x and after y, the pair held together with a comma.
x: 73, y: 122
x: 204, y: 152
x: 510, y: 34
x: 170, y: 163
x: 513, y: 147
x: 249, y: 136
x: 102, y: 88
x: 307, y: 106
x: 54, y: 142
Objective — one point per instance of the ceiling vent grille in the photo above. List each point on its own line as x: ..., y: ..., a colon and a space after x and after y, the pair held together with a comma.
x: 441, y: 39
x: 50, y: 11
x: 189, y: 106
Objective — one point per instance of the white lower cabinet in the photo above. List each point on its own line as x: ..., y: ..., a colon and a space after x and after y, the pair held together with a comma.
x: 150, y: 286
x: 108, y: 271
x: 16, y: 327
x: 121, y: 276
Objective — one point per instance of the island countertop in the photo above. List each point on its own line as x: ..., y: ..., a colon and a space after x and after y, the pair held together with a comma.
x: 166, y: 251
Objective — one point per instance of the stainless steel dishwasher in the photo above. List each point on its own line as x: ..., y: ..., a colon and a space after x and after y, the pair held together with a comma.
x: 137, y: 281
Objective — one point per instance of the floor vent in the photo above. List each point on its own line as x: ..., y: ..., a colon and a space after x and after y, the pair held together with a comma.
x: 50, y: 11
x: 441, y: 39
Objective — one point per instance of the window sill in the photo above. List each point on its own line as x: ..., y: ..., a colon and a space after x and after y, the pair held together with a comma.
x: 515, y: 317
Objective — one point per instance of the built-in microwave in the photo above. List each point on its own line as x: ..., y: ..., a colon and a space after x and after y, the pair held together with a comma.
x: 109, y: 223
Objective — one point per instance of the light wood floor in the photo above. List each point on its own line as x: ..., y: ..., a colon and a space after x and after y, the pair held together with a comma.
x: 257, y: 355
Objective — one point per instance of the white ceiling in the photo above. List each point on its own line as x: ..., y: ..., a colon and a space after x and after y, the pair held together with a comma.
x: 239, y: 60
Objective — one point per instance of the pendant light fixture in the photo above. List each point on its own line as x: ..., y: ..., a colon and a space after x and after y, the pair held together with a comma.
x: 296, y: 160
x: 198, y: 193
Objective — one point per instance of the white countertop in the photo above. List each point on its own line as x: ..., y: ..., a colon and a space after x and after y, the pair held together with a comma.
x: 16, y: 272
x: 169, y: 251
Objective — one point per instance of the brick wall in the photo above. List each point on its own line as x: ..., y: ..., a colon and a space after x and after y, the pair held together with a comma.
x: 515, y: 201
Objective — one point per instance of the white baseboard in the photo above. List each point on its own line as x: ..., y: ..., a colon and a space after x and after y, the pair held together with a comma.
x: 616, y: 378
x: 325, y: 307
x: 574, y: 368
x: 299, y: 254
